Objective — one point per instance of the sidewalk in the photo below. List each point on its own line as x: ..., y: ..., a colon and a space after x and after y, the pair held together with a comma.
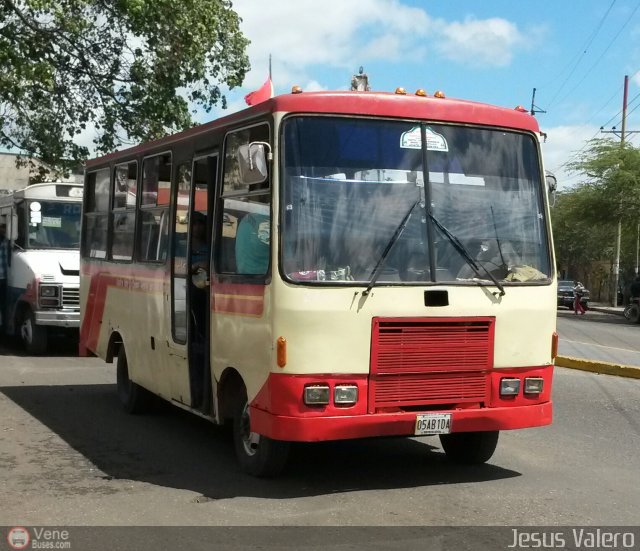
x: 606, y: 309
x: 622, y: 357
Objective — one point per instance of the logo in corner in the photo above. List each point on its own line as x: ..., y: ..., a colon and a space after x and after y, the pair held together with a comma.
x: 18, y: 537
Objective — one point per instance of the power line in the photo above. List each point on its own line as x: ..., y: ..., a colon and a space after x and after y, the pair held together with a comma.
x: 575, y: 154
x: 580, y: 56
x: 602, y: 54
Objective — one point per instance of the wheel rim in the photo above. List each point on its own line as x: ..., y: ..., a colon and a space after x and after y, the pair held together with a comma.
x: 26, y: 330
x: 250, y: 440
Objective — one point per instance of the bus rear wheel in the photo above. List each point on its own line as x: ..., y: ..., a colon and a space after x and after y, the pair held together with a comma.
x: 258, y: 455
x: 133, y: 397
x: 471, y: 448
x: 32, y: 335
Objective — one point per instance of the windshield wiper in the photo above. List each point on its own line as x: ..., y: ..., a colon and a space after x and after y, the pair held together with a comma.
x: 378, y: 267
x: 458, y: 246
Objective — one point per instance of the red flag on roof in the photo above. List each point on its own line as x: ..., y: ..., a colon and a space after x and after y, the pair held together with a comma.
x: 261, y: 94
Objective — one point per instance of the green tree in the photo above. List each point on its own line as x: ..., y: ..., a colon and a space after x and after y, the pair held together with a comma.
x: 611, y: 186
x: 133, y: 69
x: 585, y: 218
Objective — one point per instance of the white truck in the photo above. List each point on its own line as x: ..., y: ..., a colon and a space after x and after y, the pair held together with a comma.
x: 42, y: 295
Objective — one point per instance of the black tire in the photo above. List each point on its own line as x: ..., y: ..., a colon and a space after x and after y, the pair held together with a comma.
x: 33, y: 337
x: 471, y: 448
x: 133, y: 397
x: 632, y: 313
x: 258, y: 455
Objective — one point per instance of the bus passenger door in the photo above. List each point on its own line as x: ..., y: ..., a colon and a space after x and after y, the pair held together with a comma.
x: 190, y: 310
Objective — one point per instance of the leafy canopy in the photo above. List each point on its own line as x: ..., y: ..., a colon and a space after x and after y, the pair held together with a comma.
x: 611, y: 185
x: 133, y: 69
x: 585, y: 217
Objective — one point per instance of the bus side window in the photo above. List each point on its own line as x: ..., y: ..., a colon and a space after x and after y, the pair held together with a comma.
x: 252, y: 244
x: 228, y: 246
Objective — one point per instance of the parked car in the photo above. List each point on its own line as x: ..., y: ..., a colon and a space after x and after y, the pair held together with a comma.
x: 565, y: 295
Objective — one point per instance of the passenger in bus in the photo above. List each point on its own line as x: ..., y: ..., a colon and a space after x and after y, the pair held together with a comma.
x: 199, y: 305
x: 252, y: 244
x: 199, y: 245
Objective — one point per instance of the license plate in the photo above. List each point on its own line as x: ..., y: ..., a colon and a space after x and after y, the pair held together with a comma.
x: 433, y: 423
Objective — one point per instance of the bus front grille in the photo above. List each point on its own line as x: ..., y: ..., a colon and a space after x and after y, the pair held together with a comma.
x: 430, y: 361
x: 70, y: 298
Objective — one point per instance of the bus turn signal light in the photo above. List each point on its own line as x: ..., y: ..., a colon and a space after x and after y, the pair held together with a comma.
x: 554, y: 345
x: 281, y: 349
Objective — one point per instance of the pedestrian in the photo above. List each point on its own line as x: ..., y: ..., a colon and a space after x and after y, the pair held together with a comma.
x: 4, y: 272
x: 578, y: 293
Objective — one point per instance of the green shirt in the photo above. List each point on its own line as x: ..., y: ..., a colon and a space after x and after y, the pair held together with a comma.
x: 252, y: 244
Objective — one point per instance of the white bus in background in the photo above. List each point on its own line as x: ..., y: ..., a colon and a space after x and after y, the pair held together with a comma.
x: 42, y: 298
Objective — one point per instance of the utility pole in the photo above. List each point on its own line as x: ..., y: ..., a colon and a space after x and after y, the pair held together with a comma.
x: 622, y: 134
x: 534, y: 108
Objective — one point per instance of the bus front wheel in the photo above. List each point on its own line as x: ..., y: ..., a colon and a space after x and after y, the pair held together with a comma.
x: 258, y: 455
x: 32, y: 335
x: 133, y: 397
x: 471, y: 448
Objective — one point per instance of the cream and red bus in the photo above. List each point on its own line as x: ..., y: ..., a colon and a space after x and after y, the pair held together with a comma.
x: 330, y: 265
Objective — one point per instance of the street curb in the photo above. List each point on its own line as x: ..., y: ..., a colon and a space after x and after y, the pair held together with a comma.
x: 599, y: 367
x: 606, y: 310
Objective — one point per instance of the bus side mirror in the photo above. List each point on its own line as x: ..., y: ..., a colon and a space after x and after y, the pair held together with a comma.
x: 552, y: 183
x: 252, y: 162
x: 13, y: 234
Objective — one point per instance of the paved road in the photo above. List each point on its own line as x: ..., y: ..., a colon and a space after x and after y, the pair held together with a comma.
x: 68, y: 455
x: 599, y: 336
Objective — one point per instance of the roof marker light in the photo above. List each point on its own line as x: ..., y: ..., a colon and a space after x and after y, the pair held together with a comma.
x: 296, y: 89
x: 520, y: 109
x: 420, y: 92
x: 400, y: 90
x: 439, y: 94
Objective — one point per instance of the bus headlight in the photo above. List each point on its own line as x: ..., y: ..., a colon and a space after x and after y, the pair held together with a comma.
x: 533, y: 385
x: 48, y: 291
x: 345, y: 395
x: 49, y: 295
x: 509, y: 387
x: 316, y: 395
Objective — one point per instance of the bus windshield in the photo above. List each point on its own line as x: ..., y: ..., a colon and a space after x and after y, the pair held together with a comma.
x: 53, y: 225
x: 349, y: 183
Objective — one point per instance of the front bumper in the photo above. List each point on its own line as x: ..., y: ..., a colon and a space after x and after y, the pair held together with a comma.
x: 278, y: 411
x: 58, y: 318
x: 315, y: 429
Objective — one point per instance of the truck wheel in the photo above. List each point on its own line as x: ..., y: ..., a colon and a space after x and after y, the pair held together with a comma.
x: 632, y: 313
x: 32, y: 336
x: 133, y: 397
x: 258, y: 455
x: 471, y: 448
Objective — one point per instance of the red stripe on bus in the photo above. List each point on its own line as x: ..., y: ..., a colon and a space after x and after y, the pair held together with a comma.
x: 128, y: 279
x: 238, y: 298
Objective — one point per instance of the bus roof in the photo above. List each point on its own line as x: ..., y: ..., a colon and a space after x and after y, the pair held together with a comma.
x: 59, y: 191
x: 383, y: 104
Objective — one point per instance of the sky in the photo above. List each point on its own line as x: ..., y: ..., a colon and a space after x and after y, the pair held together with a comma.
x: 576, y: 54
